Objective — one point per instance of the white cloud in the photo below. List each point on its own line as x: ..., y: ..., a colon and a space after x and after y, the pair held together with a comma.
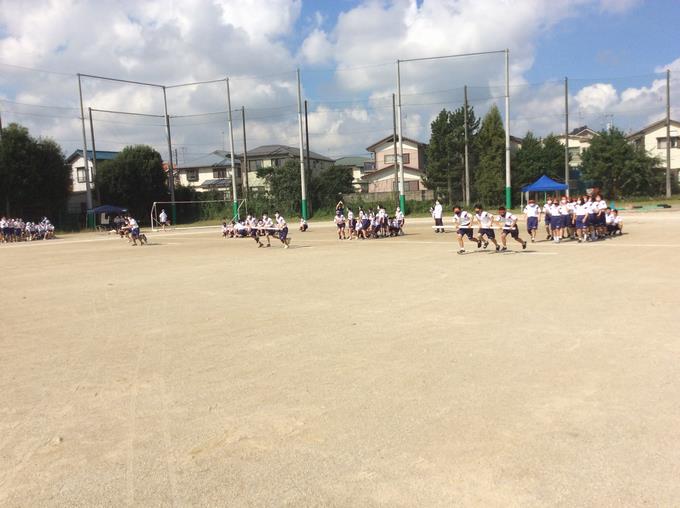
x: 165, y: 41
x: 316, y: 48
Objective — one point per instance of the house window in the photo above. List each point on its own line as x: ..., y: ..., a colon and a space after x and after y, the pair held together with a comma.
x: 219, y: 173
x: 389, y: 158
x: 661, y: 142
x: 574, y: 152
x: 81, y: 176
x: 258, y: 164
x: 192, y: 175
x: 277, y: 163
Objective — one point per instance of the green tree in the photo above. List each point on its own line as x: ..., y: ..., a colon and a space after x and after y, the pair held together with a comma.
x: 283, y: 184
x: 527, y: 164
x: 445, y: 168
x: 34, y: 179
x: 134, y: 179
x: 489, y: 173
x: 620, y: 168
x: 553, y: 157
x: 328, y: 186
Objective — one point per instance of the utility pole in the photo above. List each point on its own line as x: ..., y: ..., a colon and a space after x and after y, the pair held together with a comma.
x: 402, y: 196
x: 7, y: 195
x: 94, y: 148
x: 171, y: 169
x: 234, y: 196
x: 668, y: 133
x: 508, y: 185
x: 309, y: 166
x: 467, y: 160
x: 303, y: 181
x: 566, y: 133
x: 394, y: 143
x: 244, y: 161
x: 88, y: 189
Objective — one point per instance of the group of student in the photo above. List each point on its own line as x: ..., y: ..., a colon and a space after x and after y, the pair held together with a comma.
x: 367, y: 224
x: 17, y: 230
x: 260, y: 229
x: 127, y: 227
x: 583, y: 218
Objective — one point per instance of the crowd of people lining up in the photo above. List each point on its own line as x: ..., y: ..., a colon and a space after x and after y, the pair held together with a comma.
x: 260, y: 229
x: 17, y: 230
x: 583, y: 218
x: 367, y: 223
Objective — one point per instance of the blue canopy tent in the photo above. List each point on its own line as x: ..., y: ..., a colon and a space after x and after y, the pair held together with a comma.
x: 104, y: 212
x: 544, y: 184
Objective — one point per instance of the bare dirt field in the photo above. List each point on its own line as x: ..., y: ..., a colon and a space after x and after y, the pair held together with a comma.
x: 198, y: 371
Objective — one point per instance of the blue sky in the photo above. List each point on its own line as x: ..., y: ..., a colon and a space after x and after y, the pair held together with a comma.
x: 608, y: 48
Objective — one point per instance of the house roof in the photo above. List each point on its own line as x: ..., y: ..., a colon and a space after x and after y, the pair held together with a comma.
x: 580, y: 131
x: 390, y: 138
x: 651, y: 127
x: 352, y: 161
x: 216, y: 182
x: 265, y: 151
x: 102, y: 155
x: 387, y: 169
x: 216, y: 159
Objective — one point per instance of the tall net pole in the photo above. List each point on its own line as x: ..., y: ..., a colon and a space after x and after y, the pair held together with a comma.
x: 402, y: 197
x: 234, y: 197
x: 466, y: 154
x: 566, y: 133
x: 508, y: 183
x: 668, y: 133
x: 88, y: 189
x: 171, y: 169
x: 303, y: 181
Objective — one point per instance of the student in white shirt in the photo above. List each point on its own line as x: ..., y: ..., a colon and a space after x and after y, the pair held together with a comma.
x: 555, y: 222
x: 283, y: 229
x: 437, y: 213
x: 340, y: 223
x: 303, y: 225
x: 600, y: 216
x: 163, y: 219
x: 464, y: 221
x: 485, y: 221
x: 351, y: 224
x: 580, y: 219
x: 509, y: 228
x: 533, y: 213
x: 546, y: 218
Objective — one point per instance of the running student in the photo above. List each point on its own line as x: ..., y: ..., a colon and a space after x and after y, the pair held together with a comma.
x: 283, y: 229
x: 485, y: 221
x: 533, y: 213
x: 464, y: 221
x: 509, y: 228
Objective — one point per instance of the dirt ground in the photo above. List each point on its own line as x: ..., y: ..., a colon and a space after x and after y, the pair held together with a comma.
x: 205, y: 372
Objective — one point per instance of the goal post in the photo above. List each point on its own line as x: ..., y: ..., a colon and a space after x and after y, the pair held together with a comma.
x: 199, y: 213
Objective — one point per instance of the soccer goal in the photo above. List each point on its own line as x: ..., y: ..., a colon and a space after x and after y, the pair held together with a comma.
x: 194, y: 214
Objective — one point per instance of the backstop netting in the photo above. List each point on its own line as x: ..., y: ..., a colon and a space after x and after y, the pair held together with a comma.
x: 187, y: 214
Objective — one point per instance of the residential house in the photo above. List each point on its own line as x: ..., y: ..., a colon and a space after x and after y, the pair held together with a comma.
x: 515, y: 143
x: 579, y: 141
x: 77, y: 200
x: 277, y: 155
x: 384, y: 177
x: 211, y: 171
x: 653, y: 139
x: 360, y: 166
